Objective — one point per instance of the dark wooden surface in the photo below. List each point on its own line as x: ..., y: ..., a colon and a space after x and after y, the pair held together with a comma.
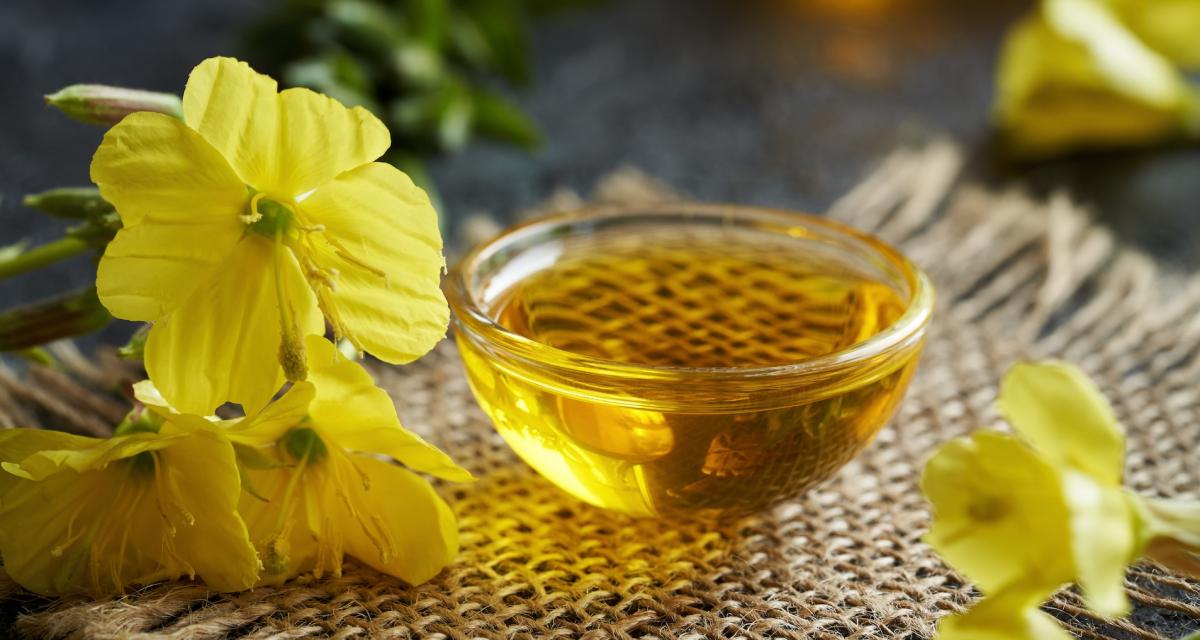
x: 783, y: 102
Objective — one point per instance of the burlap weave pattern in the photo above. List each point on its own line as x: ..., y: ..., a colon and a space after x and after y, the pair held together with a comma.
x: 1015, y: 278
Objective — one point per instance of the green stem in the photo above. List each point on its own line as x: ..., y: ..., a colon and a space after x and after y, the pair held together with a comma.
x: 43, y: 255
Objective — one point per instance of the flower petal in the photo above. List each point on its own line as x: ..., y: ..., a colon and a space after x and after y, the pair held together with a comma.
x: 988, y: 491
x: 198, y: 476
x: 404, y: 528
x: 362, y: 417
x: 73, y: 532
x: 149, y: 269
x: 1057, y: 92
x: 375, y: 216
x: 275, y: 419
x: 222, y: 344
x: 1010, y: 615
x: 1167, y: 26
x: 1062, y: 412
x: 85, y: 455
x: 320, y: 139
x: 237, y: 111
x: 152, y: 164
x: 1102, y: 541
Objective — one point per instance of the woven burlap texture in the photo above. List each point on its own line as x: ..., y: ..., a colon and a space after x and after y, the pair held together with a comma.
x: 1015, y: 278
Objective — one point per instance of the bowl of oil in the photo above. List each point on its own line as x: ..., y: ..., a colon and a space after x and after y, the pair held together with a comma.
x: 686, y: 358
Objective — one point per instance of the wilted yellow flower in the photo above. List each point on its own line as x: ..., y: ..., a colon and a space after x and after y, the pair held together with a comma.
x: 248, y: 221
x: 1098, y: 73
x: 85, y: 515
x: 319, y: 490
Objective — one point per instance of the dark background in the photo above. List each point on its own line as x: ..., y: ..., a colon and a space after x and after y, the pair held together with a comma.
x: 783, y: 103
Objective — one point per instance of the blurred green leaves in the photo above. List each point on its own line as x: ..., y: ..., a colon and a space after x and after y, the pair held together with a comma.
x: 433, y: 70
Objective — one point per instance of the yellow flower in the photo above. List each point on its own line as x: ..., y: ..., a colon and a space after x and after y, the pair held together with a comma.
x: 1066, y: 418
x: 1008, y: 615
x: 1098, y: 73
x: 321, y: 493
x: 85, y: 515
x: 1017, y: 519
x: 1000, y: 516
x: 244, y: 224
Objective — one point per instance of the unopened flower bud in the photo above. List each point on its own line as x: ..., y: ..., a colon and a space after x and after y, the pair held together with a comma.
x: 105, y: 105
x: 72, y: 203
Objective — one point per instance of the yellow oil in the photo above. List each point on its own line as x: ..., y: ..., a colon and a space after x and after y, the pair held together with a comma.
x: 686, y: 303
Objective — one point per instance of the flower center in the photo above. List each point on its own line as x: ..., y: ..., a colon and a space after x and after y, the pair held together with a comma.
x: 142, y: 464
x: 269, y: 217
x: 987, y: 508
x: 303, y: 443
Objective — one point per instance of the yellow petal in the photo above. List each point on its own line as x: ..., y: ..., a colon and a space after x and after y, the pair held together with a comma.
x: 59, y: 535
x: 988, y: 492
x: 1056, y: 93
x: 18, y: 444
x: 85, y: 456
x: 362, y: 417
x: 382, y: 240
x: 1167, y: 26
x: 119, y: 524
x: 1125, y: 63
x: 320, y: 138
x: 295, y: 552
x: 1062, y: 412
x: 151, y: 164
x: 1011, y: 615
x: 400, y: 526
x: 1102, y: 541
x: 237, y: 111
x: 1169, y: 531
x: 199, y: 475
x: 222, y: 344
x: 149, y: 269
x: 275, y: 419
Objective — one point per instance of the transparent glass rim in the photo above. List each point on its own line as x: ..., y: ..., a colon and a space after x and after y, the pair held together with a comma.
x: 471, y: 317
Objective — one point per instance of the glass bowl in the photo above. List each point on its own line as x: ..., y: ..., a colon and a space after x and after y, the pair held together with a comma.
x: 758, y: 422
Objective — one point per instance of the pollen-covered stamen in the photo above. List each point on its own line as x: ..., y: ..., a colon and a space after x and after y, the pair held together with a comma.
x: 292, y: 357
x: 346, y: 254
x: 303, y: 445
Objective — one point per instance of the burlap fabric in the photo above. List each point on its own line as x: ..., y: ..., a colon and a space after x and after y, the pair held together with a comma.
x: 1015, y: 278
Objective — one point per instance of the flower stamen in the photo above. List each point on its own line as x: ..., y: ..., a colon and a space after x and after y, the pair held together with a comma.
x: 291, y: 344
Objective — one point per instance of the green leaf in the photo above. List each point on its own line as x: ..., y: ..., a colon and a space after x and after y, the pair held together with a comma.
x: 440, y: 118
x: 498, y: 118
x: 502, y: 23
x: 429, y: 21
x: 135, y: 349
x: 365, y: 26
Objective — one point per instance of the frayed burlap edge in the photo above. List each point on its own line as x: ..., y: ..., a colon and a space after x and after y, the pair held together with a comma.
x: 1015, y: 277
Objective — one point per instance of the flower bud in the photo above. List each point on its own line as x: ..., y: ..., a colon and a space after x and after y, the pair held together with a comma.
x: 71, y: 203
x: 105, y: 105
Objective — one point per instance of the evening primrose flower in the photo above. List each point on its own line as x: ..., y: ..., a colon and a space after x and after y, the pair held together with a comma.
x: 1023, y: 518
x: 251, y: 221
x: 1098, y: 73
x: 324, y: 493
x: 156, y: 501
